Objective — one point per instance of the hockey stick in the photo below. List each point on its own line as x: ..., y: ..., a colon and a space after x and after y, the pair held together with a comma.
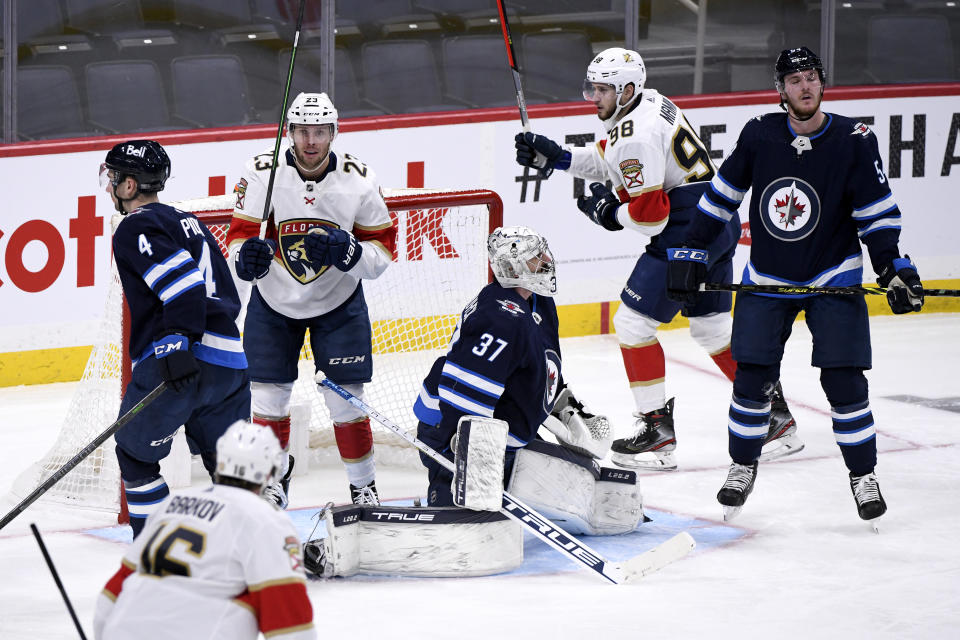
x: 283, y: 114
x: 56, y: 578
x: 512, y: 60
x: 628, y: 571
x: 801, y: 289
x: 83, y: 453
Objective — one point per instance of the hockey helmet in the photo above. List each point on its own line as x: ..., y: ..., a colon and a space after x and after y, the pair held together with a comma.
x: 311, y: 108
x: 617, y: 67
x: 512, y: 250
x: 248, y: 452
x: 143, y: 160
x: 799, y: 59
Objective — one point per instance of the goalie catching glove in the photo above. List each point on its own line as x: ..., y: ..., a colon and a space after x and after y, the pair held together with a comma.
x: 577, y: 428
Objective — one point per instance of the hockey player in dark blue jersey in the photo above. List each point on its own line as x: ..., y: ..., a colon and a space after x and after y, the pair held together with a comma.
x: 504, y: 364
x: 183, y: 309
x: 818, y: 192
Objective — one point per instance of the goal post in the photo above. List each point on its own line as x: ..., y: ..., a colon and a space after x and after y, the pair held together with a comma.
x: 441, y: 263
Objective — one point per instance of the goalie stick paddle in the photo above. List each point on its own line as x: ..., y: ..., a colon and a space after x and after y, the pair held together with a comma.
x: 628, y: 571
x: 801, y: 289
x: 283, y: 114
x: 82, y: 454
x: 56, y: 578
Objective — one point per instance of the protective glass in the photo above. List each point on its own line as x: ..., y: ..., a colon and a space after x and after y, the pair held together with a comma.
x: 108, y: 176
x: 593, y: 91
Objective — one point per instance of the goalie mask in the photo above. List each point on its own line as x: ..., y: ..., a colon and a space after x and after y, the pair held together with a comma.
x: 311, y: 108
x: 248, y: 452
x: 616, y: 67
x: 520, y: 257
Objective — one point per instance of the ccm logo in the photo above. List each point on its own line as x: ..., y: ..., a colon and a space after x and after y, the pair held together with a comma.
x: 347, y: 360
x: 170, y: 347
x: 157, y: 443
x: 690, y: 254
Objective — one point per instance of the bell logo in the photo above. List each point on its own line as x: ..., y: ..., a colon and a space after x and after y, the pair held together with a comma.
x: 136, y: 151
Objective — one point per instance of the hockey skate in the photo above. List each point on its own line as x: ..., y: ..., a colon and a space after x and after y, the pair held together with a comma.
x: 782, y: 439
x: 279, y: 492
x: 870, y: 503
x: 366, y: 495
x: 733, y: 494
x: 654, y: 440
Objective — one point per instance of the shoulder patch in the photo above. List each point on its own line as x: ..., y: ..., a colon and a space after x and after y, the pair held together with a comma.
x: 511, y: 307
x: 241, y: 190
x: 860, y: 128
x: 632, y: 170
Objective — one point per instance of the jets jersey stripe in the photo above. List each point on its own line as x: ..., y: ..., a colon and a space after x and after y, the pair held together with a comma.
x: 513, y: 442
x: 849, y: 416
x: 727, y: 190
x: 878, y: 225
x: 847, y: 273
x: 222, y: 350
x: 187, y: 281
x: 465, y: 404
x: 874, y: 209
x: 427, y: 408
x: 739, y: 406
x: 473, y: 380
x: 712, y: 210
x: 158, y: 271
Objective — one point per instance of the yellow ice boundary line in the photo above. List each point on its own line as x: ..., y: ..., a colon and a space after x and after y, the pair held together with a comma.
x: 66, y: 364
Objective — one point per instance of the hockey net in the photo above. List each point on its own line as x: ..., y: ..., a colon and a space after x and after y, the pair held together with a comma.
x: 441, y: 264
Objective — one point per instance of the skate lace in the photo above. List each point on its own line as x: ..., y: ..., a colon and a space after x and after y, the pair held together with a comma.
x: 866, y: 489
x: 739, y: 477
x: 365, y: 496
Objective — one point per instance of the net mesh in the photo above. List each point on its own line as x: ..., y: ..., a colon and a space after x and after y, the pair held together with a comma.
x: 441, y: 264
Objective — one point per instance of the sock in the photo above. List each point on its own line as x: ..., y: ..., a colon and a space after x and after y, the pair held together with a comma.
x: 355, y: 442
x: 280, y: 427
x: 645, y: 366
x: 143, y: 497
x: 725, y: 361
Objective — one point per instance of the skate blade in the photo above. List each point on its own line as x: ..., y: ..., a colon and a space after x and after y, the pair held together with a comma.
x: 782, y: 447
x: 729, y: 513
x: 665, y: 461
x: 874, y: 524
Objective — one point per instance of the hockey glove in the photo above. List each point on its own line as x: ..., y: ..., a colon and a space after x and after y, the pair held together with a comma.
x: 332, y: 246
x: 686, y: 271
x: 904, y: 289
x: 178, y: 366
x: 577, y: 428
x: 540, y: 153
x: 601, y: 206
x: 254, y: 258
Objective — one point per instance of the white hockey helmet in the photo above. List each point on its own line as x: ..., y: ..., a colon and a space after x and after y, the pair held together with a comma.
x: 248, y: 452
x: 512, y: 250
x: 617, y: 67
x: 311, y: 108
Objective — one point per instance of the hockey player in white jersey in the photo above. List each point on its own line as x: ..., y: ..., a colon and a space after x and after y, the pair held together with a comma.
x: 328, y: 229
x: 658, y: 168
x: 219, y: 562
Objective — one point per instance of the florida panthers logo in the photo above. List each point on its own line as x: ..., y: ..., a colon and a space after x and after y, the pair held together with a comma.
x: 291, y: 234
x: 552, y: 379
x: 789, y: 209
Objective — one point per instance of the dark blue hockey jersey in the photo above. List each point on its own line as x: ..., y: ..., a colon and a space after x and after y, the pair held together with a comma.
x: 176, y: 281
x: 814, y: 200
x: 503, y: 362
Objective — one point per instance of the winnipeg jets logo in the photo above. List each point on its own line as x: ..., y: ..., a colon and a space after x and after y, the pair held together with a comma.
x: 511, y: 307
x: 789, y: 209
x: 552, y: 380
x: 860, y: 128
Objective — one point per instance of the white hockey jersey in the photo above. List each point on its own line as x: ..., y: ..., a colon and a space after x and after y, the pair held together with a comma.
x: 650, y: 151
x: 214, y: 563
x: 346, y: 196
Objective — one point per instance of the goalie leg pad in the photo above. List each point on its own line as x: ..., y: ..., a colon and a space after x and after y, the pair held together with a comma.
x: 415, y: 541
x: 575, y: 492
x: 478, y: 458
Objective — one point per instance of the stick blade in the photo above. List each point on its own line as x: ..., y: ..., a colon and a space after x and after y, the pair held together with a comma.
x: 677, y: 547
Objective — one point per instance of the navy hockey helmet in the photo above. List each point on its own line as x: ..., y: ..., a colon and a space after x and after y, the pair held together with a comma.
x: 799, y: 59
x: 143, y: 160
